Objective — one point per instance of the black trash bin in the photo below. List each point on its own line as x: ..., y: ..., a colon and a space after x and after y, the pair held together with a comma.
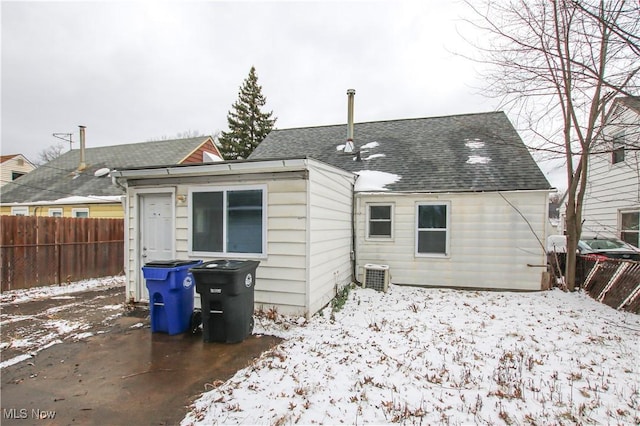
x: 226, y: 289
x: 170, y: 288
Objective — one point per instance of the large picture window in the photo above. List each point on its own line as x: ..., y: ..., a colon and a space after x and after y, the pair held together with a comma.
x: 432, y: 229
x: 629, y: 227
x: 228, y: 221
x: 380, y: 222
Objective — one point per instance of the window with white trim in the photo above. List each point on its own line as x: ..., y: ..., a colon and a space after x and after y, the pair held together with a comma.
x: 19, y: 211
x: 55, y: 212
x: 228, y: 220
x: 80, y: 212
x: 432, y: 229
x: 380, y: 221
x: 629, y: 227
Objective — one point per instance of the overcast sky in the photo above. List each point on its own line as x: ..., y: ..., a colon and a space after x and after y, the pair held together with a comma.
x: 136, y: 71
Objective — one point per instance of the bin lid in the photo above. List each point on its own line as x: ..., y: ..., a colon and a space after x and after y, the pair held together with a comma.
x: 174, y: 263
x: 225, y: 265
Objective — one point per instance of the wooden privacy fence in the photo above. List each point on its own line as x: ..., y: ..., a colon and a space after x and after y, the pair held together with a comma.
x: 39, y: 251
x: 613, y: 282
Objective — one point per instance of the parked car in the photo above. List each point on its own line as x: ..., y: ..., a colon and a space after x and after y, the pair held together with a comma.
x: 607, y: 247
x: 595, y: 247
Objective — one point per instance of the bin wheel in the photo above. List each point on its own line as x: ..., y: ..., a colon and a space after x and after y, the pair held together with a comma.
x: 251, y: 323
x: 196, y: 320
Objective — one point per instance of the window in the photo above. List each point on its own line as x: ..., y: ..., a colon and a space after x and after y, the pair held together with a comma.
x: 83, y: 212
x: 432, y: 229
x: 20, y: 211
x: 629, y: 229
x: 617, y: 154
x: 55, y: 212
x: 379, y: 221
x: 16, y: 175
x: 228, y: 221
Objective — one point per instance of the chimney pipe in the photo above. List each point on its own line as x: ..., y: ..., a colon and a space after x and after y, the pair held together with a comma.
x: 82, y: 165
x: 349, y: 147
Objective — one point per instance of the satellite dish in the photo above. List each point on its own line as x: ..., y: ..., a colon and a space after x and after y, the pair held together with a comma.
x: 102, y: 172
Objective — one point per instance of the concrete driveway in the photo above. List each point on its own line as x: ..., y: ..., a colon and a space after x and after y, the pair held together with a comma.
x: 110, y: 369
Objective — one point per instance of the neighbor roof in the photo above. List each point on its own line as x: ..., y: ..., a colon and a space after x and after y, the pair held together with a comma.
x: 631, y: 102
x: 4, y: 158
x: 471, y: 152
x: 59, y: 178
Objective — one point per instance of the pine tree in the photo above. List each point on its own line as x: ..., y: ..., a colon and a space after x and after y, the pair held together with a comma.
x: 248, y: 125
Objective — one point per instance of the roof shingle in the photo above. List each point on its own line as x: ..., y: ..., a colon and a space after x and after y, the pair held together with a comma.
x: 472, y: 152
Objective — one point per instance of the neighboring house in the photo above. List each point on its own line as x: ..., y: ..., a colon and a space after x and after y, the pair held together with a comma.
x: 63, y: 187
x: 612, y: 197
x: 13, y: 167
x: 447, y: 201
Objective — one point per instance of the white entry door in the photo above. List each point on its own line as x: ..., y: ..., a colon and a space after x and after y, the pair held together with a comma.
x: 156, y: 232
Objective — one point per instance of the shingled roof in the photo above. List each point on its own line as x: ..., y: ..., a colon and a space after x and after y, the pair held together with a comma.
x: 59, y: 178
x: 471, y: 152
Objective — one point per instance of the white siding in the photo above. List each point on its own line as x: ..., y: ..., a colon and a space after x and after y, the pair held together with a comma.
x: 491, y: 245
x: 308, y: 236
x: 18, y: 164
x: 330, y: 212
x: 612, y: 187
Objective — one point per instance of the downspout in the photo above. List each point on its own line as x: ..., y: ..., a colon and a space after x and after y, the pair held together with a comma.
x: 354, y: 260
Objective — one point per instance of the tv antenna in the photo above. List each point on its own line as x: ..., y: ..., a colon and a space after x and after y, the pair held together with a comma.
x: 67, y: 137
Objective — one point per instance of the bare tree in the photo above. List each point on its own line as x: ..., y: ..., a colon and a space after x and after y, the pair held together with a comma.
x: 560, y: 64
x: 50, y: 153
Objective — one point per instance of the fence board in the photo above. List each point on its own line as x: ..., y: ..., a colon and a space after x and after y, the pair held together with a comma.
x: 613, y: 281
x: 45, y: 250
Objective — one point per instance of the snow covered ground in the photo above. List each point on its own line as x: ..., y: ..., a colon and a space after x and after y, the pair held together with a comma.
x: 425, y: 356
x: 60, y: 315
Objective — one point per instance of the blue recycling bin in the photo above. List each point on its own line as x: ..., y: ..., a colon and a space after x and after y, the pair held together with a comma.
x: 170, y: 286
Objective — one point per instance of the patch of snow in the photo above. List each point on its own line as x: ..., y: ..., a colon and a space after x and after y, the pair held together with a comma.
x: 25, y: 295
x: 14, y: 360
x: 80, y: 336
x: 474, y: 144
x: 477, y: 159
x: 370, y: 145
x: 373, y: 156
x: 372, y: 180
x: 111, y: 307
x: 432, y: 356
x: 137, y: 325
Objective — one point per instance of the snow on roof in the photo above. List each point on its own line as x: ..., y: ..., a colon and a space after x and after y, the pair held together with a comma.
x: 474, y: 143
x: 478, y: 159
x: 372, y: 180
x: 371, y: 157
x: 370, y: 145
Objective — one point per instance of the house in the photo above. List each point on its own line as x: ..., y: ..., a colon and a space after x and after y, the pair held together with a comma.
x: 13, y: 166
x: 293, y: 215
x: 612, y: 197
x: 453, y: 201
x: 77, y: 185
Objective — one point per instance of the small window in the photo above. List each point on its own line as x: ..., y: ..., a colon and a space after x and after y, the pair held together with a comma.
x: 432, y: 229
x: 81, y: 212
x: 20, y: 211
x: 228, y: 221
x: 617, y: 154
x: 16, y: 175
x: 380, y: 222
x: 629, y: 228
x: 55, y: 212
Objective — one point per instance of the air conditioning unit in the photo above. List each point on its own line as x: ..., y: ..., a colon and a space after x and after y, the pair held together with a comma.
x: 376, y: 277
